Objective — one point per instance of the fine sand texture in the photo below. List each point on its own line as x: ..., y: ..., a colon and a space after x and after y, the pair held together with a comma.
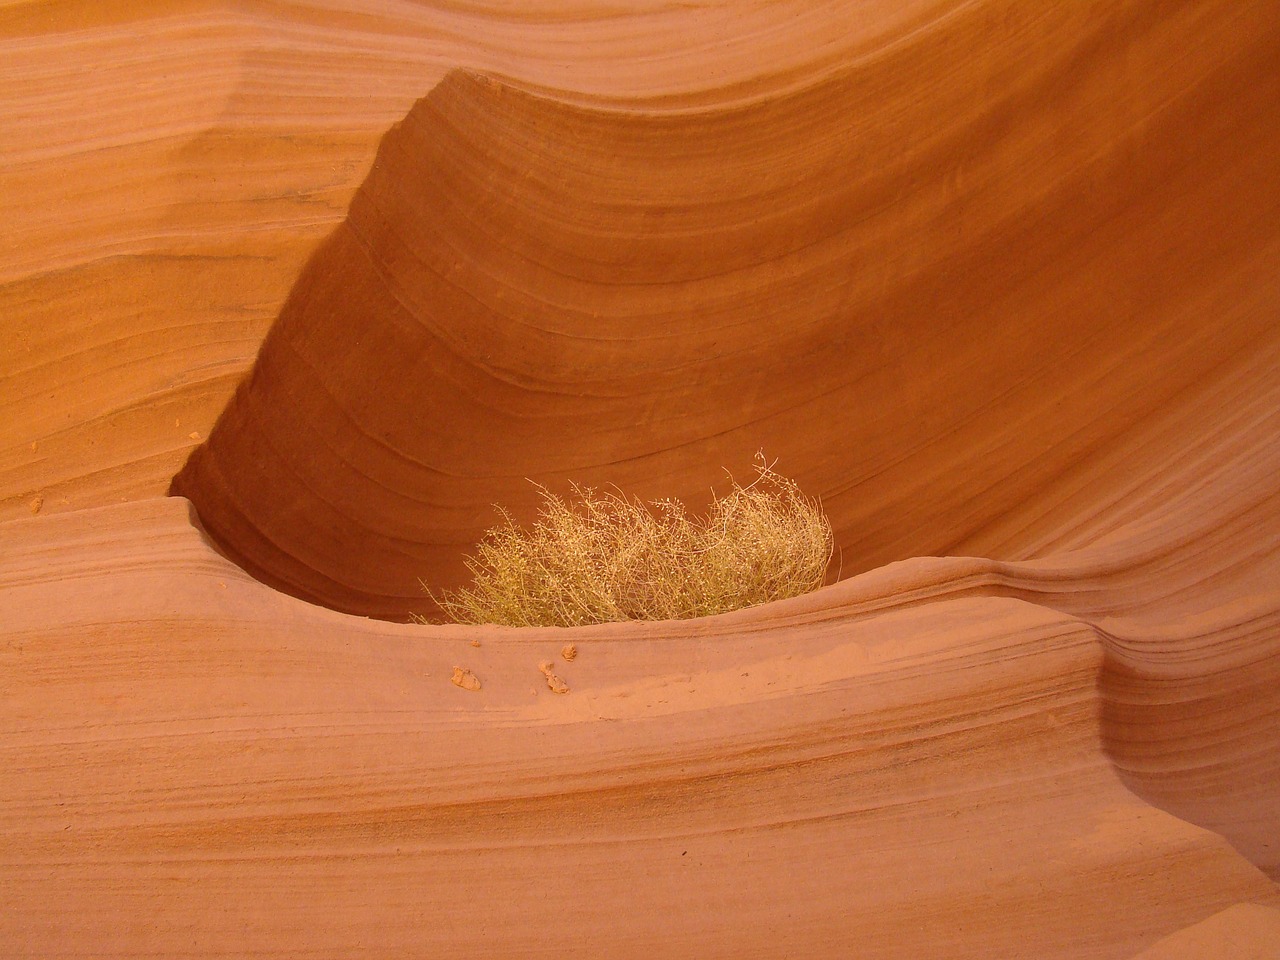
x: 292, y: 293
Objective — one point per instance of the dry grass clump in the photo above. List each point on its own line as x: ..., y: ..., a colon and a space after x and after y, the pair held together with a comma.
x: 607, y: 558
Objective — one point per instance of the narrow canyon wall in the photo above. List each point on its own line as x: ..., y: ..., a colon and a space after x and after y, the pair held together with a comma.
x: 292, y: 293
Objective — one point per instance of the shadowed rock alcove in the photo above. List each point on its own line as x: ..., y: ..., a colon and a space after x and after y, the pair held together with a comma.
x: 947, y: 306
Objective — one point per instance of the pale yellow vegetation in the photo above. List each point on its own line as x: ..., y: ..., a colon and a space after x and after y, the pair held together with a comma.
x: 606, y: 557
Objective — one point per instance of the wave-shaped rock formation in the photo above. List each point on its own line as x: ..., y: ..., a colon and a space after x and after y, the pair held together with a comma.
x: 997, y: 281
x: 947, y: 288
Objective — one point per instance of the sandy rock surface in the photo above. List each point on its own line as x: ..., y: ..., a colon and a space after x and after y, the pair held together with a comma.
x: 292, y: 293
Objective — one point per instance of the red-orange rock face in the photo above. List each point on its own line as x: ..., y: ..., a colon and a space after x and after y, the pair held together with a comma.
x: 999, y: 283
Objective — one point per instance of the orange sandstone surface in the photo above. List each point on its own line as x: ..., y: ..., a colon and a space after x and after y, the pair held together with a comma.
x: 292, y: 292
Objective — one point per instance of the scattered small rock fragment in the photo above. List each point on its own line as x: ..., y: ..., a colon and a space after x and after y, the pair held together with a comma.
x: 465, y: 679
x: 569, y: 651
x: 554, y: 683
x: 194, y: 435
x: 34, y: 446
x: 475, y: 643
x: 36, y: 504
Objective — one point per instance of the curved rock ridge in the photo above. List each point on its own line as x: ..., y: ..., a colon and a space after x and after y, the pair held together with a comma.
x: 895, y: 766
x: 942, y: 305
x: 998, y: 281
x: 169, y: 166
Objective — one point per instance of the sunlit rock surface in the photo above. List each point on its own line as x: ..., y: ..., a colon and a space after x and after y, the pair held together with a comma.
x: 999, y: 282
